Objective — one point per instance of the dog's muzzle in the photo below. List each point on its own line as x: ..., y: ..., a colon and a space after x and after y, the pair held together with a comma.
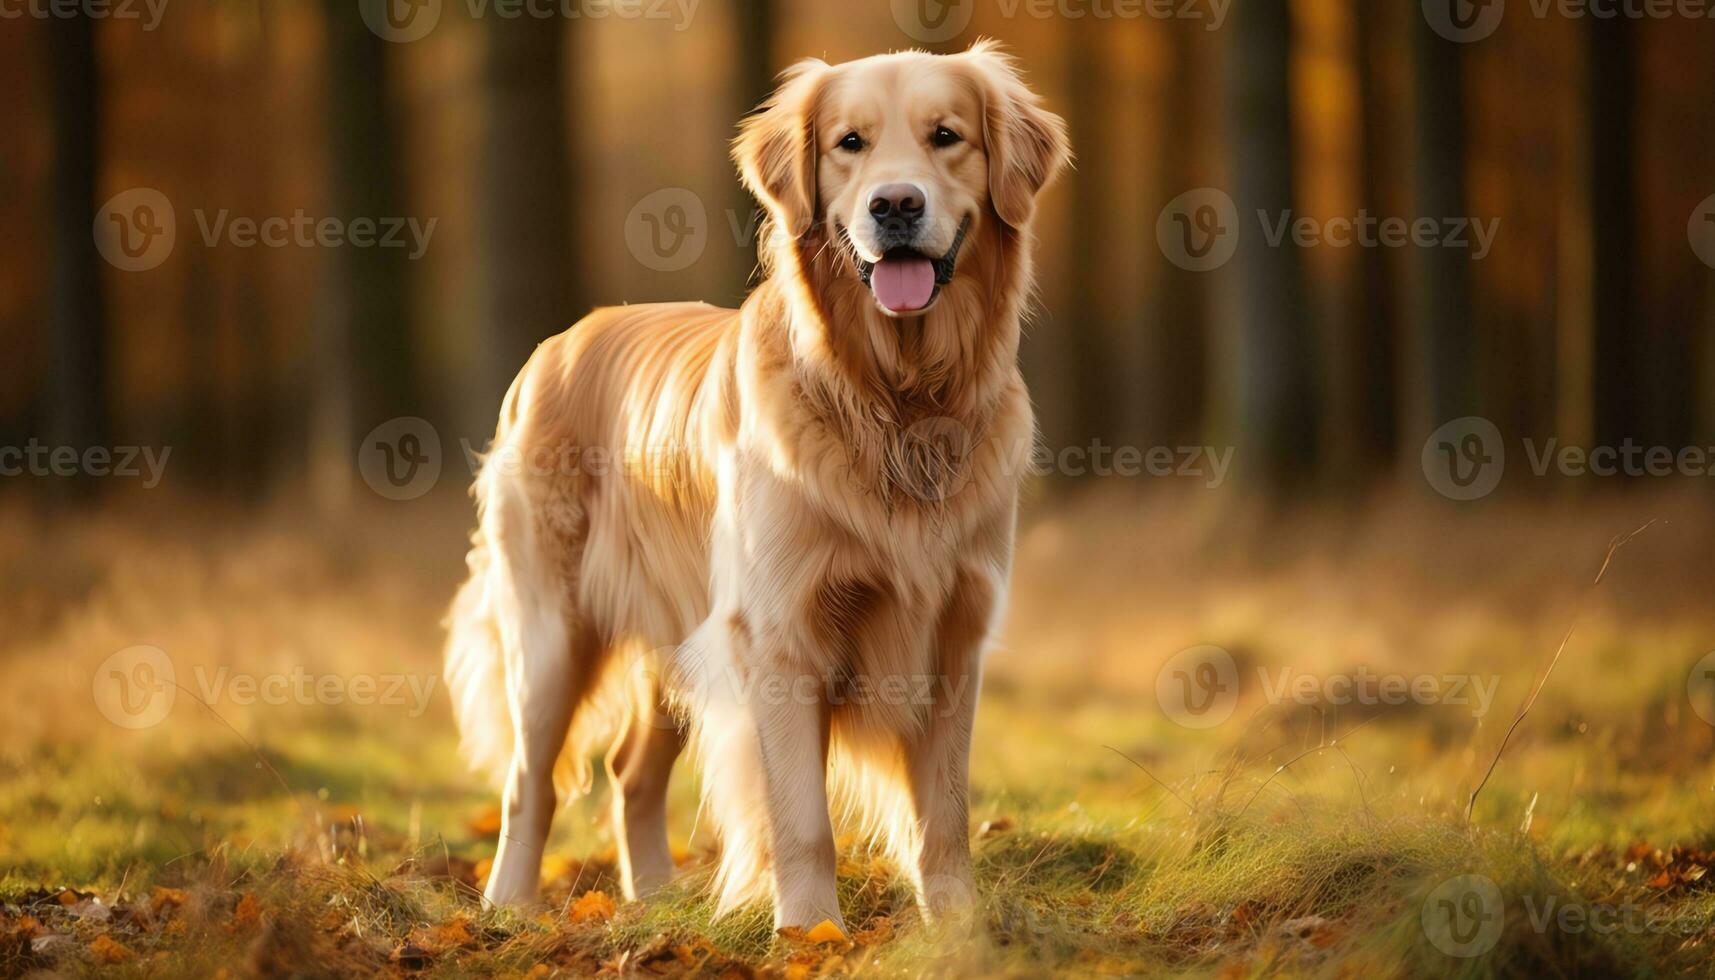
x: 905, y: 280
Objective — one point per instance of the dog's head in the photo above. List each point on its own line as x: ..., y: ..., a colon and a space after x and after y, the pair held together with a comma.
x: 901, y: 159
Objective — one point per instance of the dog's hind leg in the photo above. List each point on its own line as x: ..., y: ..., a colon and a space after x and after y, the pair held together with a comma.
x: 639, y: 766
x: 551, y: 662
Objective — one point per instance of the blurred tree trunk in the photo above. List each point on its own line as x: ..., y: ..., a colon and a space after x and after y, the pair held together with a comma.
x: 1443, y: 346
x: 1619, y: 348
x: 530, y: 284
x: 1177, y: 299
x: 1269, y: 386
x: 754, y: 32
x: 363, y: 372
x: 1372, y: 359
x: 1104, y: 408
x: 1641, y: 373
x: 76, y: 391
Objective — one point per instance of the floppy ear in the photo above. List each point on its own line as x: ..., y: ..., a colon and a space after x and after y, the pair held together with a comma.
x: 1027, y: 144
x: 776, y: 148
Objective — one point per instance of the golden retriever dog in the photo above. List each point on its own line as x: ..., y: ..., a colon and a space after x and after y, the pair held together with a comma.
x: 780, y: 534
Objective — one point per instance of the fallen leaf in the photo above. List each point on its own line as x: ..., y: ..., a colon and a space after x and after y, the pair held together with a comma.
x: 486, y: 823
x: 879, y: 930
x: 247, y: 911
x: 163, y: 898
x: 591, y: 906
x: 108, y: 951
x: 826, y: 932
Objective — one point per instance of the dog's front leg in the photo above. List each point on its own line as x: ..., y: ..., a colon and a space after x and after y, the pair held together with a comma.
x: 792, y: 728
x: 939, y: 757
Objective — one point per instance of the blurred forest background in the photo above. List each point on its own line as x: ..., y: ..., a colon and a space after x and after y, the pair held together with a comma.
x: 529, y: 142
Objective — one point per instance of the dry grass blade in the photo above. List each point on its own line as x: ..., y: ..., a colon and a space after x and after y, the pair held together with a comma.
x: 1530, y: 702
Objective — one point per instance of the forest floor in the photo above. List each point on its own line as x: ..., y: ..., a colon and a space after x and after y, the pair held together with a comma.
x: 1298, y: 816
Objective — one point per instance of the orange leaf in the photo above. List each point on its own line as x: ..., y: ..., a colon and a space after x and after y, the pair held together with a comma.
x: 592, y: 906
x: 106, y: 950
x: 247, y: 912
x: 166, y: 898
x: 1662, y: 880
x: 826, y: 932
x: 878, y: 931
x: 485, y: 823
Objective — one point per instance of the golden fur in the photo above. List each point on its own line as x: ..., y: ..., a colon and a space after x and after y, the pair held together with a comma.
x: 782, y: 533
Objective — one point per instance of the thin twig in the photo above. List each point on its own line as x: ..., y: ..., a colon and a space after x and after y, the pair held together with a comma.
x: 1529, y: 702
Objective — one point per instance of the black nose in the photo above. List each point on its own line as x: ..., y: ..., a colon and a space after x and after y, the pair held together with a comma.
x: 896, y: 201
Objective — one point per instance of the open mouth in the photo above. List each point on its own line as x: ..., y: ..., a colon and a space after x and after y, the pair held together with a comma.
x: 907, y: 281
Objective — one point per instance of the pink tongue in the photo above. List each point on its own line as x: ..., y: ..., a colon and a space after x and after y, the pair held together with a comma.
x: 902, y: 284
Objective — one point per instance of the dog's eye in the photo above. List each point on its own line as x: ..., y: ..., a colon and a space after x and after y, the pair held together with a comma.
x: 851, y: 142
x: 944, y: 137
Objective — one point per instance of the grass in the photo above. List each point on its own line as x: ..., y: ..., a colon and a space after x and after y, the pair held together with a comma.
x: 1295, y: 839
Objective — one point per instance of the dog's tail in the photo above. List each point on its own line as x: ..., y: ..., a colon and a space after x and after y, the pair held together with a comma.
x: 476, y: 672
